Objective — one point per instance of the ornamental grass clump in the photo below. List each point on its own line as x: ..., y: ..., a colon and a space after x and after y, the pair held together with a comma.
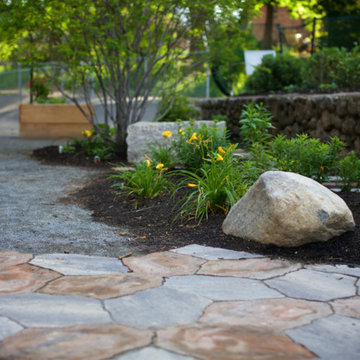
x: 147, y: 179
x: 215, y: 187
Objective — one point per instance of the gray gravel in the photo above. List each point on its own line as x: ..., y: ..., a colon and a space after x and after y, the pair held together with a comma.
x: 32, y: 217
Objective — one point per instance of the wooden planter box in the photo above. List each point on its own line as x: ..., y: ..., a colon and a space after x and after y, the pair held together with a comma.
x: 51, y: 121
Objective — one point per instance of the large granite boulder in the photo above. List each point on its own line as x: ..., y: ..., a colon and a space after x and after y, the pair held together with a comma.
x: 142, y: 135
x: 288, y: 209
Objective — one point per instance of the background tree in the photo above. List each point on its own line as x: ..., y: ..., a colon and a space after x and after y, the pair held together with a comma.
x: 120, y: 50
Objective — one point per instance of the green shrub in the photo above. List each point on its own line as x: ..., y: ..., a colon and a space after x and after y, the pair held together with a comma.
x: 347, y: 73
x: 275, y: 73
x: 349, y: 171
x: 302, y: 154
x: 255, y: 122
x: 320, y: 67
x: 164, y: 152
x: 177, y: 108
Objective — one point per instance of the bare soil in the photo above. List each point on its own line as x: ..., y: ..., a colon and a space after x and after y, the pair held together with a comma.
x: 149, y: 221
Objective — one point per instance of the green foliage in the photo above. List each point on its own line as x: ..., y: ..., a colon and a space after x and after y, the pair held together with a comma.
x: 163, y: 153
x: 302, y: 154
x: 98, y: 143
x: 40, y: 87
x: 318, y: 69
x: 193, y: 145
x: 255, y: 122
x: 144, y: 180
x: 215, y: 187
x: 275, y: 73
x: 177, y: 108
x: 349, y: 171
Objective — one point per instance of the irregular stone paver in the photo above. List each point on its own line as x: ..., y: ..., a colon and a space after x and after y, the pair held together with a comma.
x: 164, y: 264
x: 211, y: 253
x: 340, y: 269
x: 75, y: 264
x: 222, y: 288
x: 102, y: 286
x: 99, y: 341
x: 152, y: 353
x: 24, y: 278
x: 214, y: 343
x: 156, y: 308
x: 262, y: 268
x: 335, y: 337
x: 36, y: 310
x: 10, y: 258
x: 8, y: 327
x: 265, y: 315
x: 314, y: 285
x: 347, y: 307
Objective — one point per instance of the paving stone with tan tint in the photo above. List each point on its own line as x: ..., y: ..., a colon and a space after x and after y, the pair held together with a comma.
x: 257, y: 268
x: 265, y: 315
x: 214, y: 343
x: 332, y: 338
x: 164, y: 264
x: 152, y: 353
x: 24, y: 278
x: 90, y: 342
x: 103, y: 286
x: 157, y: 308
x: 314, y: 285
x: 75, y: 264
x: 211, y: 253
x: 10, y: 258
x: 222, y: 288
x: 42, y: 310
x: 347, y: 307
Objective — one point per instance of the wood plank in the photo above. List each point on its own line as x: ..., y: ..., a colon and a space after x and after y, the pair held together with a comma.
x: 51, y: 113
x: 52, y: 131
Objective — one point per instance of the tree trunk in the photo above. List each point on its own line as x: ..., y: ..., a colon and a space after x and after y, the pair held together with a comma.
x: 269, y: 21
x: 120, y: 138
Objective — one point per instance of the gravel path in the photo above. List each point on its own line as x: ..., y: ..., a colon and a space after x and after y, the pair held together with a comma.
x: 32, y: 219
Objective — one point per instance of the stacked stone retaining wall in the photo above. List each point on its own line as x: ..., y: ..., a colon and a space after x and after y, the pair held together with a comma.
x: 321, y: 115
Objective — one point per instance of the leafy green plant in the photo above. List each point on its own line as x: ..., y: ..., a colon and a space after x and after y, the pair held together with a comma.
x: 163, y: 152
x: 275, y: 73
x: 97, y: 143
x: 193, y: 145
x: 215, y: 187
x: 177, y: 108
x: 255, y: 122
x: 145, y: 180
x: 349, y: 171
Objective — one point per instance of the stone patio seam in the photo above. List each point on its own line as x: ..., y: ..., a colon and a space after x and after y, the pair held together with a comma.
x: 113, y: 321
x: 15, y: 321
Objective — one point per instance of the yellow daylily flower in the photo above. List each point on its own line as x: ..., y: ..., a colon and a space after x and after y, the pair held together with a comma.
x: 181, y: 132
x: 221, y: 150
x: 193, y: 137
x: 147, y: 157
x: 167, y: 134
x: 230, y: 147
x: 159, y: 166
x: 190, y: 185
x: 148, y: 163
x: 322, y: 168
x: 87, y: 133
x: 219, y: 158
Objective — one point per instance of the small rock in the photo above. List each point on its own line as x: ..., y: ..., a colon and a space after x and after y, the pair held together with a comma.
x: 288, y: 209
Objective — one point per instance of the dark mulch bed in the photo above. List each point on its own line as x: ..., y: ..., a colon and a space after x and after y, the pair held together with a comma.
x: 149, y: 221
